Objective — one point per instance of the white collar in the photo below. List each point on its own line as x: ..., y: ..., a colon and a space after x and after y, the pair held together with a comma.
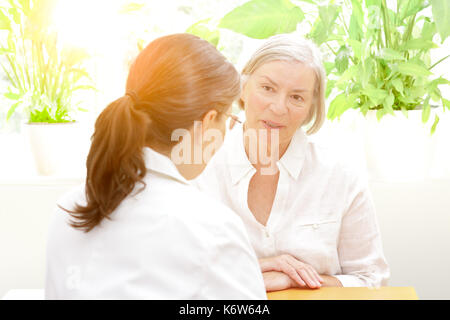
x: 157, y: 162
x: 239, y: 164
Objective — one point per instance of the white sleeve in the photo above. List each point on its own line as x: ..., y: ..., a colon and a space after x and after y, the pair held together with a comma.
x: 233, y: 270
x: 360, y: 248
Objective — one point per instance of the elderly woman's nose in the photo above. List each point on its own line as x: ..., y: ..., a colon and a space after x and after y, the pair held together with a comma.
x: 278, y: 106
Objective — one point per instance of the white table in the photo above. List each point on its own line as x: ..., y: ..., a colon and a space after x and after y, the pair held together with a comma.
x: 24, y: 294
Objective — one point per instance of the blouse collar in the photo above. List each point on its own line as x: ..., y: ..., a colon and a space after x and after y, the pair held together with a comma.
x: 240, y: 166
x: 157, y: 162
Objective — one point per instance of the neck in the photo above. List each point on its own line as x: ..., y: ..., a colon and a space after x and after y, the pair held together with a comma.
x: 261, y: 152
x: 190, y: 171
x: 187, y: 171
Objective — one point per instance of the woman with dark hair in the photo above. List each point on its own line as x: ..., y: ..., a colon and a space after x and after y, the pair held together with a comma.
x: 138, y: 229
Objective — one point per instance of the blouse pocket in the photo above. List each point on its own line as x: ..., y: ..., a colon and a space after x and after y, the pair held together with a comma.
x: 315, y: 225
x: 319, y: 233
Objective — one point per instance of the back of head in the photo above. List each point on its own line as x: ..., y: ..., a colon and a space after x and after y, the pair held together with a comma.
x: 173, y: 82
x: 294, y: 48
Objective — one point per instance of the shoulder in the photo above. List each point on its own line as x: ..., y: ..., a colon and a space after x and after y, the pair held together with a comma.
x: 328, y: 159
x: 183, y: 204
x: 75, y: 196
x: 60, y: 229
x: 210, y: 213
x: 216, y: 176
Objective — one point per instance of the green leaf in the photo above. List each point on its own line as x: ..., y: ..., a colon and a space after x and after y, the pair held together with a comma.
x: 261, y: 19
x: 446, y: 103
x: 330, y: 87
x: 416, y: 92
x: 204, y: 31
x: 419, y: 44
x: 435, y: 94
x: 436, y: 121
x: 398, y: 85
x: 438, y: 81
x: 12, y: 96
x: 389, y: 54
x: 366, y: 106
x: 348, y: 74
x: 441, y: 15
x: 426, y: 110
x: 388, y: 102
x: 428, y: 30
x: 412, y: 69
x: 356, y: 47
x: 366, y: 71
x: 12, y: 110
x: 356, y: 21
x: 329, y: 66
x: 15, y: 14
x: 325, y: 24
x: 340, y: 104
x: 404, y: 111
x: 376, y: 95
x: 5, y: 23
x: 131, y: 7
x: 409, y: 8
x: 373, y: 3
x: 341, y: 60
x: 380, y: 113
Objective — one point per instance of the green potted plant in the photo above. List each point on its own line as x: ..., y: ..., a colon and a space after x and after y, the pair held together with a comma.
x: 377, y: 60
x: 43, y: 77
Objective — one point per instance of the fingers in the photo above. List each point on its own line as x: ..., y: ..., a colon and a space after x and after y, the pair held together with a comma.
x: 314, y: 275
x: 291, y: 272
x: 308, y: 278
x: 301, y: 273
x: 306, y: 272
x: 317, y: 276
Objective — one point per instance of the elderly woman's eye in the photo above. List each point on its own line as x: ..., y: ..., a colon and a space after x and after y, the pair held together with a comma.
x: 297, y: 98
x: 267, y: 88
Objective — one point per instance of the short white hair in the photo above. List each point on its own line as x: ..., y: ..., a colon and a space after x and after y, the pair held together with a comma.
x: 292, y: 47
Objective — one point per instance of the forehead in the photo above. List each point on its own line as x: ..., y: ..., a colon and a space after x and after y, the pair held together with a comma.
x: 288, y: 74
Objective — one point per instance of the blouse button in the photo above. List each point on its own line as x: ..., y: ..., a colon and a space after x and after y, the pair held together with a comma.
x: 267, y: 233
x: 315, y: 226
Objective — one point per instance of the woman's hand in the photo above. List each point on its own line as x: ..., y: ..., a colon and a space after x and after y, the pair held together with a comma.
x: 301, y: 273
x: 275, y: 281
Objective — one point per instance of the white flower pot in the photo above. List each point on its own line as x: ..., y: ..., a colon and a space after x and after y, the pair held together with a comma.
x: 55, y: 147
x: 399, y: 148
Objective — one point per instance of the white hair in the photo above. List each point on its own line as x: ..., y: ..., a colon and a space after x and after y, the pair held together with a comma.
x: 292, y: 47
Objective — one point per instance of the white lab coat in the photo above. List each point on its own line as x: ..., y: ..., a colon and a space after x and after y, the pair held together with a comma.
x: 168, y: 242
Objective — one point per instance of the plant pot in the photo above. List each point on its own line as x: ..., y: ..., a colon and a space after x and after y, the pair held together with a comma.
x: 399, y: 148
x: 55, y: 148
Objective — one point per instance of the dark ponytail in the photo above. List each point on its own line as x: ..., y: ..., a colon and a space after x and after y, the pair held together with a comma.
x: 115, y: 162
x: 173, y: 82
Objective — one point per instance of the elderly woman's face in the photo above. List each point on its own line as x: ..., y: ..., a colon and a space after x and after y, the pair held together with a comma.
x: 279, y: 96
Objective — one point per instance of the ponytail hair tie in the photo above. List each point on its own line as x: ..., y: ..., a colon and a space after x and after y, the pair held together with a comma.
x: 133, y: 96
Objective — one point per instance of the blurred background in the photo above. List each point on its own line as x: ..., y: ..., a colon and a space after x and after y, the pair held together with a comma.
x: 396, y: 128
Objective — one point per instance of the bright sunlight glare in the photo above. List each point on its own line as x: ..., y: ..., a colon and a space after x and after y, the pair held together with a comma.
x: 86, y: 23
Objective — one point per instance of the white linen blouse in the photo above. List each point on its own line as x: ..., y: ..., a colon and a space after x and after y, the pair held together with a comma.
x: 168, y: 242
x: 322, y: 213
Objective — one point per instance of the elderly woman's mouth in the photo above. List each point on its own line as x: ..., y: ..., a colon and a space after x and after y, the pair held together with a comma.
x: 271, y: 125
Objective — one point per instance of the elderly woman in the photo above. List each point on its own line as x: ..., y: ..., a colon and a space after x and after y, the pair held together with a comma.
x: 308, y: 213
